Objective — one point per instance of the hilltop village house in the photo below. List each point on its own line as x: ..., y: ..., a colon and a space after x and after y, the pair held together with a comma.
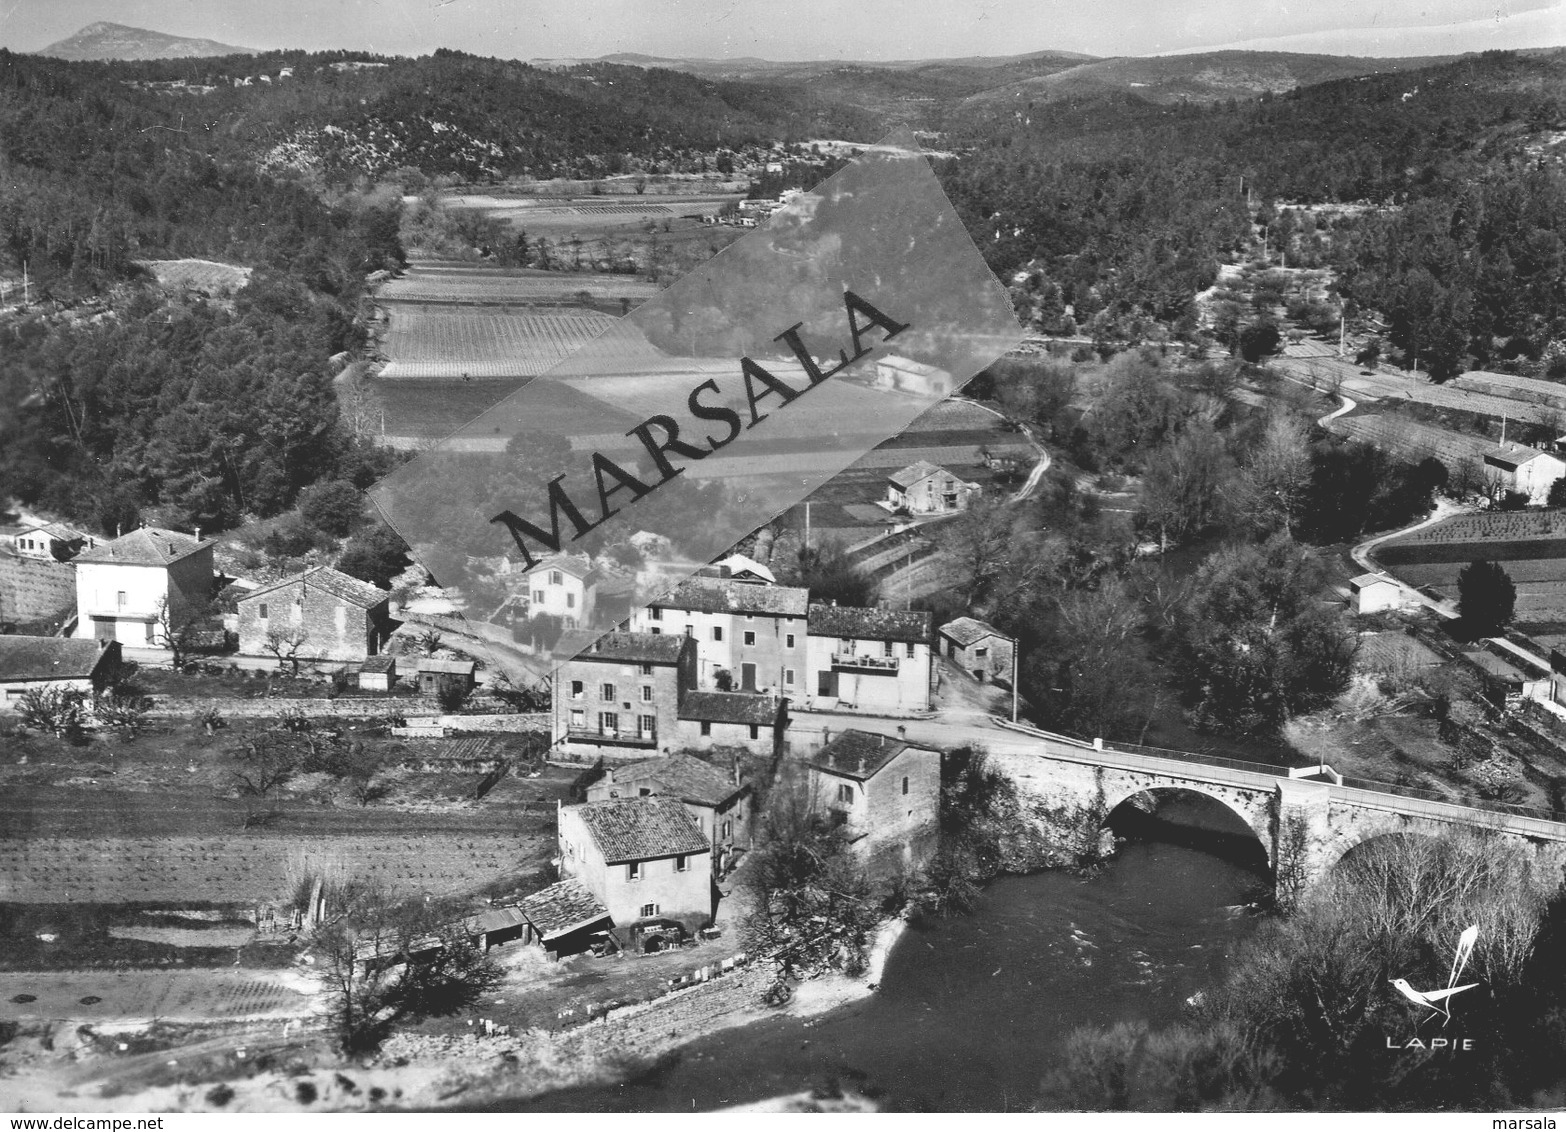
x: 122, y: 586
x: 885, y: 793
x: 869, y: 659
x: 1526, y: 471
x: 753, y: 633
x: 621, y: 697
x: 335, y: 616
x: 722, y: 804
x: 35, y: 663
x: 644, y: 858
x: 927, y: 489
x: 979, y: 649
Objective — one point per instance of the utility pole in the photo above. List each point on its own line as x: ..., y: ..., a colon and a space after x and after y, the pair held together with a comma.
x: 1342, y: 332
x: 807, y: 524
x: 1014, y: 681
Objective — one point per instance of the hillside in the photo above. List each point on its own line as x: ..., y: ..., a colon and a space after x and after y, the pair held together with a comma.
x: 103, y: 40
x: 1206, y: 77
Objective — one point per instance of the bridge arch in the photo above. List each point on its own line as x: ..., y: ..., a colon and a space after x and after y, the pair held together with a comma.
x: 1253, y: 814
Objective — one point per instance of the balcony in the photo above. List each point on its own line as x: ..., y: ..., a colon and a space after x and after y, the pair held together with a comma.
x: 622, y: 737
x: 883, y: 665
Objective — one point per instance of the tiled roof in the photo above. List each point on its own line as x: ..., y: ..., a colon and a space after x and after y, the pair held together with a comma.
x: 379, y: 663
x: 47, y: 658
x: 913, y: 473
x: 741, y: 563
x: 59, y: 531
x: 869, y: 624
x: 146, y: 546
x: 637, y: 648
x: 1512, y: 455
x: 680, y: 776
x: 496, y: 919
x: 730, y: 707
x: 578, y: 565
x: 639, y: 829
x: 448, y: 667
x: 859, y: 754
x: 329, y: 581
x: 724, y: 595
x: 1364, y: 580
x: 966, y: 630
x: 562, y: 907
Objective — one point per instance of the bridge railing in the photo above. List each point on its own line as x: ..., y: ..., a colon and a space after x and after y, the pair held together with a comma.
x: 1200, y: 759
x: 1470, y: 803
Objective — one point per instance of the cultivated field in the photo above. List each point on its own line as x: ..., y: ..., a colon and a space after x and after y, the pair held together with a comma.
x: 1519, y: 388
x: 1530, y: 544
x: 552, y: 216
x: 455, y: 281
x: 1491, y: 527
x: 440, y: 343
x: 1410, y: 440
x: 178, y: 995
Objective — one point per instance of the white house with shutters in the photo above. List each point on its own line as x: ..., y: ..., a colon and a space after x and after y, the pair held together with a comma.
x: 123, y: 585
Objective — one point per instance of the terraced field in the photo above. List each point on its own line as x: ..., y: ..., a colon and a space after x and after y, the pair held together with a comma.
x: 469, y: 284
x: 1410, y: 440
x: 440, y: 343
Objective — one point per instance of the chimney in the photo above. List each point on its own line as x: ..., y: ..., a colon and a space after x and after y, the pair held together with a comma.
x: 198, y: 534
x: 736, y: 771
x: 826, y: 736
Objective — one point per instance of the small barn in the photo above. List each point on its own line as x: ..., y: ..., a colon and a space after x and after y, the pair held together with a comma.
x: 435, y: 674
x: 1374, y: 592
x: 29, y: 663
x: 979, y: 649
x: 378, y: 673
x: 562, y: 918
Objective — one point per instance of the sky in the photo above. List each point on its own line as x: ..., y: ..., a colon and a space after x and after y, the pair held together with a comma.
x: 814, y: 29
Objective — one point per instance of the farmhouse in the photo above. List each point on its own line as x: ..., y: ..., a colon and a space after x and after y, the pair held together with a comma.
x: 563, y: 586
x: 870, y: 659
x: 621, y: 697
x: 1526, y: 471
x: 927, y: 489
x: 885, y: 793
x: 29, y: 663
x: 743, y: 720
x: 1374, y: 592
x: 645, y: 859
x: 52, y: 542
x: 755, y: 634
x: 979, y: 649
x: 722, y: 804
x: 123, y: 586
x: 334, y: 616
x: 908, y: 376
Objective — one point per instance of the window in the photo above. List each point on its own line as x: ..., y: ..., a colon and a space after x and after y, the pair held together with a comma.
x: 750, y: 638
x: 570, y: 601
x: 578, y: 718
x: 788, y: 677
x: 750, y: 616
x: 845, y: 793
x: 151, y: 638
x: 681, y: 864
x: 538, y: 596
x: 647, y: 670
x: 789, y: 640
x: 298, y: 609
x: 577, y: 691
x: 655, y: 614
x: 981, y: 651
x: 633, y: 871
x: 657, y: 632
x: 905, y: 784
x: 849, y: 645
x: 717, y: 632
x: 556, y: 578
x: 910, y: 650
x: 122, y: 599
x: 706, y: 727
x: 690, y: 631
x: 647, y: 724
x: 606, y: 692
x: 755, y: 731
x: 261, y: 613
x: 646, y: 693
x: 609, y: 722
x: 886, y: 649
x: 728, y: 828
x: 649, y: 911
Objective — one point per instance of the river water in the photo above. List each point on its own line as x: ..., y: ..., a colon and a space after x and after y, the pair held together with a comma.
x: 973, y: 1011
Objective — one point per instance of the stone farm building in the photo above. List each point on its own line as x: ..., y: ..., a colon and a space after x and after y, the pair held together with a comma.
x: 29, y: 663
x: 885, y: 793
x: 645, y: 859
x: 927, y: 489
x: 727, y: 720
x: 338, y: 616
x: 979, y: 649
x: 123, y: 585
x: 562, y: 917
x: 722, y: 804
x: 621, y: 697
x: 908, y: 376
x: 869, y: 659
x: 52, y: 542
x: 1527, y: 471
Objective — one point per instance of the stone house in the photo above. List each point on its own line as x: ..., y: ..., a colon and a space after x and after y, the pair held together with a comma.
x: 1518, y: 468
x: 927, y: 489
x: 869, y: 659
x: 122, y: 585
x: 563, y: 586
x: 979, y: 649
x: 722, y: 803
x: 644, y: 858
x: 29, y: 663
x: 52, y: 542
x: 755, y: 633
x: 340, y: 617
x: 747, y: 721
x: 884, y: 792
x: 621, y: 697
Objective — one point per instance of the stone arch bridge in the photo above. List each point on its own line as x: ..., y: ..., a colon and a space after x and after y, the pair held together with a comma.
x: 1305, y: 825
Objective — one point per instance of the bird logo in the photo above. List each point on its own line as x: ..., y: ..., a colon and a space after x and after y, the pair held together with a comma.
x: 1440, y: 1001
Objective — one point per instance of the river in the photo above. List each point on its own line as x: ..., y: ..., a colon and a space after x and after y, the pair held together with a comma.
x: 972, y: 1011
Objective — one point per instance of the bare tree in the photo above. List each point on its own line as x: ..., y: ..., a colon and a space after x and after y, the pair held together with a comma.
x: 264, y: 762
x: 285, y: 645
x: 177, y: 629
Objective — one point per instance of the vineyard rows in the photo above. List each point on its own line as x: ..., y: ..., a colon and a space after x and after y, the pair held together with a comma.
x: 1488, y: 403
x: 243, y: 868
x: 1474, y: 528
x: 423, y: 287
x: 450, y: 344
x: 1411, y: 440
x: 197, y: 274
x: 1519, y: 388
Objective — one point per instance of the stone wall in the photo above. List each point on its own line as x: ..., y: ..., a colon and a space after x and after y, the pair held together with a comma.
x: 32, y: 590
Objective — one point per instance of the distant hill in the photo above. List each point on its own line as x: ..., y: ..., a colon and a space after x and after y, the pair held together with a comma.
x: 1211, y: 76
x: 750, y: 67
x: 116, y: 41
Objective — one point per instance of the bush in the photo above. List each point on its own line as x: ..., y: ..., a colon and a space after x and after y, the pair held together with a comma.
x: 219, y: 1095
x: 335, y: 506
